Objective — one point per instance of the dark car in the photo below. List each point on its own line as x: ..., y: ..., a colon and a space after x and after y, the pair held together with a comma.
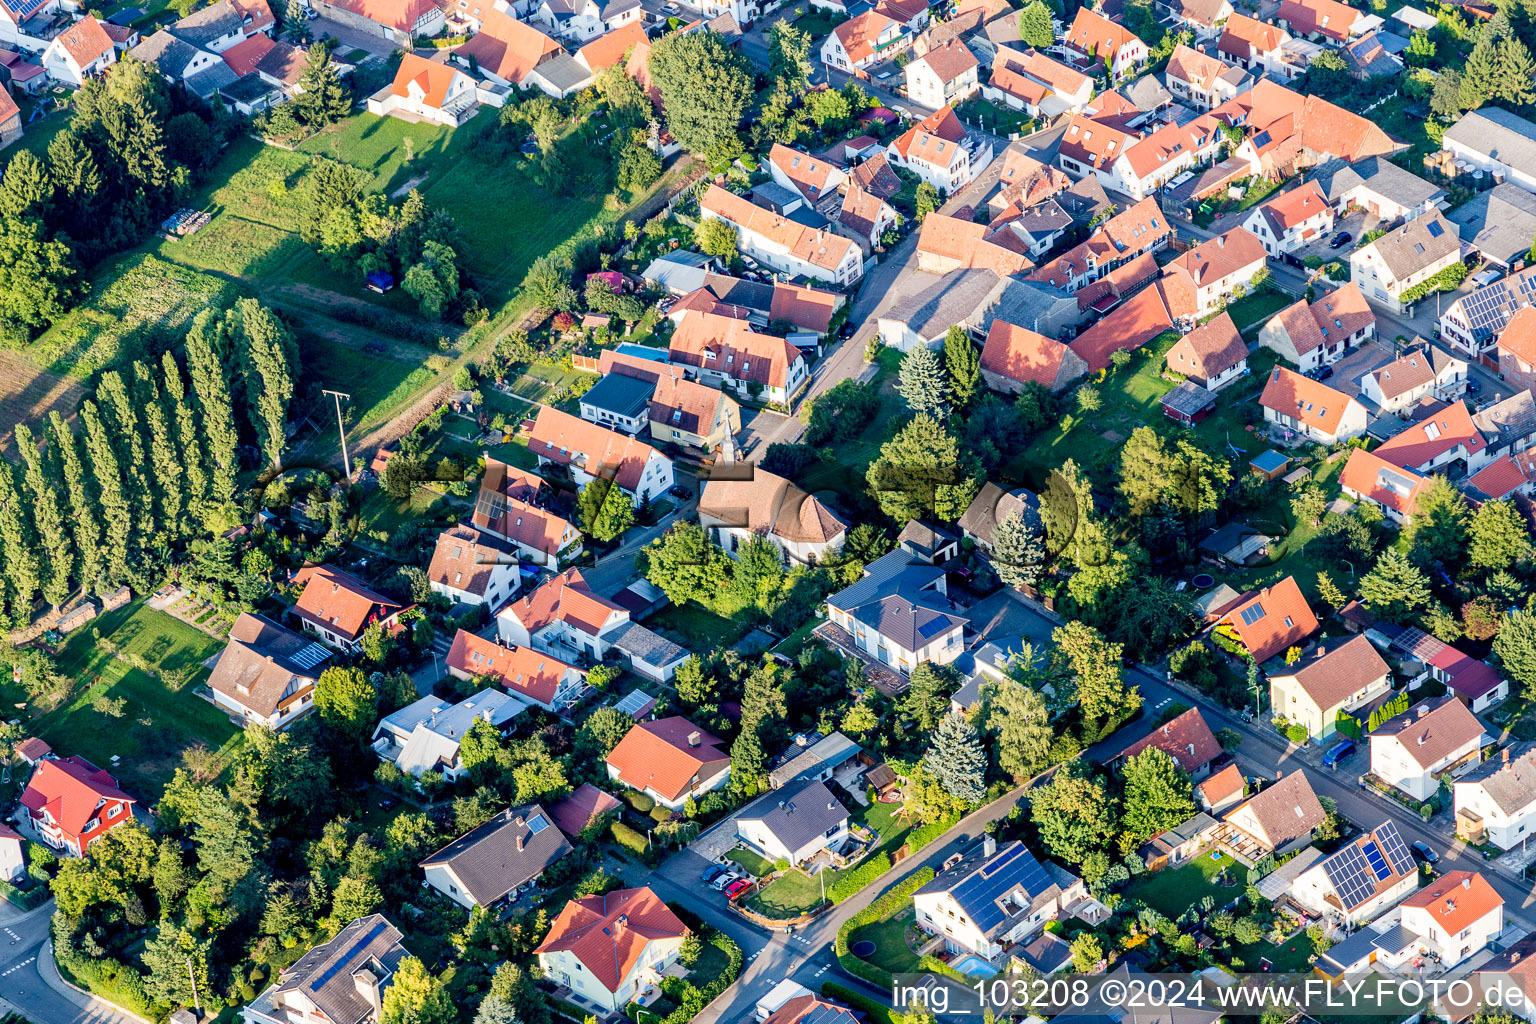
x: 1473, y: 387
x: 1320, y: 373
x: 1425, y: 854
x: 1340, y: 240
x: 711, y: 873
x: 680, y: 491
x: 386, y: 803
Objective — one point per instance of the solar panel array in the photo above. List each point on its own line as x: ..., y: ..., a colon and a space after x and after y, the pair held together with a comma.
x: 341, y: 962
x: 1487, y: 309
x: 1252, y: 614
x: 1434, y: 229
x: 979, y: 894
x: 1357, y: 870
x: 26, y: 8
x: 310, y: 655
x: 1396, y: 850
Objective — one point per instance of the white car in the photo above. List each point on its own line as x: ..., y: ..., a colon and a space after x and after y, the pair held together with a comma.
x: 724, y: 880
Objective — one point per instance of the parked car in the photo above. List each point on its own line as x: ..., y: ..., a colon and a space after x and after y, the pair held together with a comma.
x: 1340, y: 240
x: 730, y: 875
x: 1424, y: 853
x: 1484, y: 278
x: 1320, y: 373
x: 680, y: 491
x: 1473, y: 387
x: 713, y: 872
x: 736, y: 888
x: 1341, y: 751
x: 669, y: 9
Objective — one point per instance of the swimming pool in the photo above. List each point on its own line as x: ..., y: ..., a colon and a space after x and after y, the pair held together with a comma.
x: 974, y: 965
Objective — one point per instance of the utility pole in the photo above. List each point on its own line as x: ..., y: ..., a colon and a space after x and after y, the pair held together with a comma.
x: 197, y: 1003
x: 346, y: 460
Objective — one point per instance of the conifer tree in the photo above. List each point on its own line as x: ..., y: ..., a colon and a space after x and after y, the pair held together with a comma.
x: 116, y: 511
x: 267, y: 376
x: 205, y: 342
x: 923, y: 384
x: 55, y: 548
x: 84, y: 513
x: 963, y: 366
x: 1018, y: 554
x: 184, y: 422
x: 170, y: 488
x: 957, y: 760
x: 23, y: 567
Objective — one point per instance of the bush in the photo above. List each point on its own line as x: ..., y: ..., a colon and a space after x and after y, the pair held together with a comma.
x: 856, y: 879
x: 1296, y: 733
x: 922, y: 836
x: 628, y: 838
x: 639, y: 801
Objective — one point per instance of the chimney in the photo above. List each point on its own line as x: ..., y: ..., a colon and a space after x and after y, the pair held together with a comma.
x: 620, y: 922
x: 1423, y: 710
x: 367, y: 984
x: 1422, y: 738
x: 988, y: 846
x: 694, y: 738
x: 1504, y: 754
x: 1466, y: 883
x: 1279, y: 775
x: 520, y: 841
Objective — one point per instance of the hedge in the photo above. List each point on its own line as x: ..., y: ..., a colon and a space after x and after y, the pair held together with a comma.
x: 873, y: 1008
x: 889, y: 903
x: 921, y: 837
x: 28, y: 899
x: 628, y: 838
x: 690, y: 998
x: 852, y: 881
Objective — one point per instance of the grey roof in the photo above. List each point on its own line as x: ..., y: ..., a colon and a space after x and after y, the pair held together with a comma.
x: 926, y: 539
x: 830, y: 751
x: 1147, y: 93
x: 326, y: 974
x: 429, y: 730
x: 613, y: 8
x: 1496, y: 133
x: 1359, y: 946
x: 512, y: 848
x: 739, y: 292
x: 248, y: 89
x: 166, y: 52
x: 644, y: 645
x: 991, y: 504
x: 1188, y: 398
x: 1499, y: 223
x: 1235, y: 536
x: 996, y: 891
x: 564, y: 72
x: 895, y: 598
x: 210, y: 80
x: 954, y: 297
x: 1511, y: 784
x: 1418, y: 244
x: 623, y: 396
x: 1042, y: 219
x: 1336, y: 177
x: 1027, y: 304
x: 203, y: 26
x: 1214, y: 601
x: 1085, y: 200
x: 798, y: 813
x: 1278, y: 882
x: 1187, y: 830
x: 1506, y: 422
x: 679, y: 272
x: 969, y: 694
x: 1487, y: 310
x: 774, y: 196
x: 1046, y: 952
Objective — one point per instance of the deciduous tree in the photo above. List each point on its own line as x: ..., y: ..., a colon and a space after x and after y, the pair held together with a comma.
x: 705, y: 87
x: 1157, y: 796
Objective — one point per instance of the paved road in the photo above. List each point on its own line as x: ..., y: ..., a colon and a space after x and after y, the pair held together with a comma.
x: 29, y: 982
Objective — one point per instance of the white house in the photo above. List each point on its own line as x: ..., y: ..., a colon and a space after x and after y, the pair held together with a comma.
x: 1312, y: 334
x: 1144, y: 165
x: 795, y: 823
x: 1333, y: 681
x: 533, y: 676
x: 943, y: 76
x: 472, y: 568
x: 939, y: 150
x: 863, y: 41
x: 611, y: 949
x: 590, y: 452
x: 1389, y: 268
x: 424, y: 736
x: 583, y: 20
x: 79, y: 52
x: 339, y: 608
x: 1030, y: 81
x: 564, y: 618
x: 491, y: 865
x: 1495, y: 142
x: 1217, y: 269
x: 670, y: 760
x: 1094, y: 38
x: 1367, y: 876
x: 803, y: 529
x: 427, y: 90
x: 1496, y: 801
x: 900, y: 613
x: 1213, y: 355
x: 993, y: 898
x: 507, y: 508
x: 1201, y: 79
x: 1454, y: 916
x: 785, y: 245
x: 1437, y: 736
x: 1311, y: 408
x: 1293, y: 219
x: 1418, y: 373
x: 266, y: 674
x: 13, y: 855
x: 724, y: 352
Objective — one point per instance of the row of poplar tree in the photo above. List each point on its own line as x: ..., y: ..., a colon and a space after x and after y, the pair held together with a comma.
x: 152, y: 467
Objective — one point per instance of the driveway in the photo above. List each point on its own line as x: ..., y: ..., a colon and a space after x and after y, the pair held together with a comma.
x: 358, y: 39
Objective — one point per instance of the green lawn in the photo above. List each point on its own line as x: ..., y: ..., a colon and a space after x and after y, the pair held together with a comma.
x: 890, y: 938
x: 756, y: 866
x: 882, y: 818
x: 699, y: 625
x: 1255, y: 310
x: 996, y: 118
x: 1174, y: 890
x: 790, y: 895
x: 1289, y: 957
x: 380, y: 387
x: 158, y: 719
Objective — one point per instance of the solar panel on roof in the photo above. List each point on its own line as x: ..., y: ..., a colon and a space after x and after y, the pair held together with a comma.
x: 1378, y: 863
x: 1395, y: 849
x: 980, y: 893
x: 1252, y: 614
x: 310, y: 655
x: 1434, y: 229
x: 537, y: 824
x: 1351, y: 877
x: 340, y: 963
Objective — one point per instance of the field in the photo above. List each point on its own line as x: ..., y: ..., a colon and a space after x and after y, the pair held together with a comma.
x: 27, y: 392
x: 158, y: 718
x: 143, y: 300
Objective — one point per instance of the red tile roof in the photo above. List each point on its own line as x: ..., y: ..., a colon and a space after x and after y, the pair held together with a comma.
x: 339, y: 602
x: 566, y: 598
x: 524, y: 671
x: 610, y: 48
x: 1091, y: 32
x: 85, y: 41
x: 1503, y: 476
x: 1335, y: 673
x: 1373, y: 477
x: 1186, y: 739
x: 508, y: 48
x: 1431, y: 438
x: 1280, y: 619
x: 1223, y: 785
x: 400, y: 15
x: 668, y: 756
x: 726, y: 345
x: 1519, y: 335
x: 1142, y: 317
x: 967, y: 241
x: 1093, y: 144
x: 1209, y: 350
x: 1020, y: 354
x: 921, y: 141
x: 70, y: 790
x: 1456, y: 900
x: 1221, y: 257
x: 581, y: 808
x: 1327, y: 17
x: 243, y: 57
x: 609, y: 934
x: 597, y: 451
x: 1305, y: 400
x: 1247, y: 37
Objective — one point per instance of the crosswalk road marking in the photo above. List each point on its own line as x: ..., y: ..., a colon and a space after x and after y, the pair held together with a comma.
x: 17, y: 967
x: 13, y: 935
